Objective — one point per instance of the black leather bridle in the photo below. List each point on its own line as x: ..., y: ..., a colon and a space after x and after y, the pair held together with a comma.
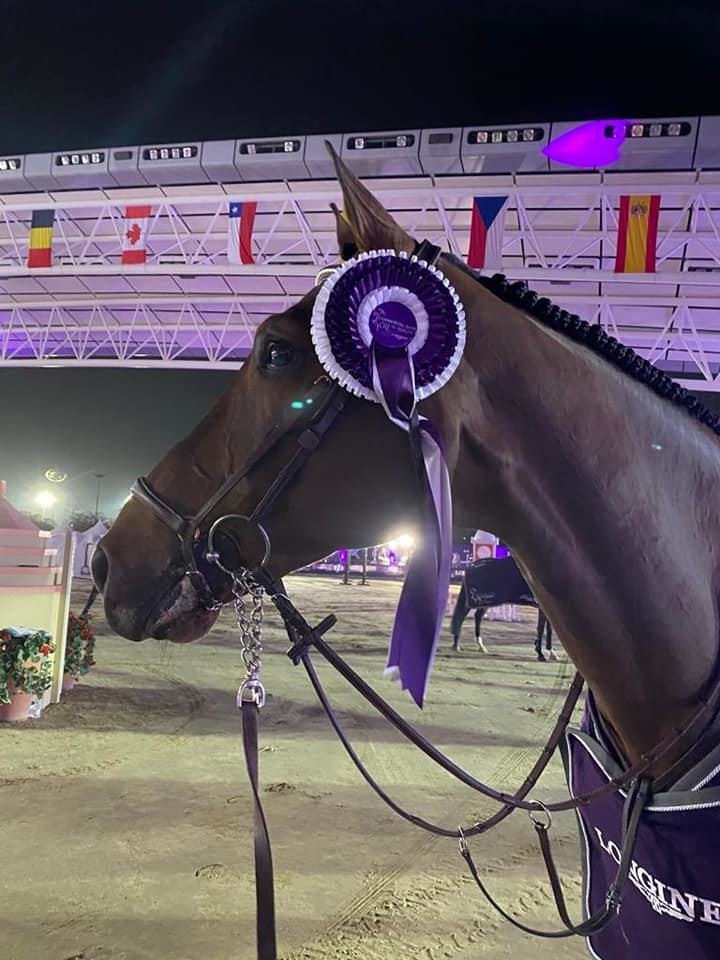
x: 328, y: 400
x: 189, y: 529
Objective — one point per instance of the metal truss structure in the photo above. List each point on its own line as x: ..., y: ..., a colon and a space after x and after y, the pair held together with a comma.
x: 189, y: 307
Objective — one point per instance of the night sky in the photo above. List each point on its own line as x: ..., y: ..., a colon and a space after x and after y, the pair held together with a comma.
x: 86, y: 74
x: 82, y: 422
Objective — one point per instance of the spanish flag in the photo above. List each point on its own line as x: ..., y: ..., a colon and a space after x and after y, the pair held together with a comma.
x: 41, y: 231
x: 637, y: 234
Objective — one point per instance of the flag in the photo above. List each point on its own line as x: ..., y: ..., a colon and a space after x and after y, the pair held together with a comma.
x: 241, y: 218
x: 41, y: 232
x: 487, y: 225
x: 637, y: 234
x: 134, y: 245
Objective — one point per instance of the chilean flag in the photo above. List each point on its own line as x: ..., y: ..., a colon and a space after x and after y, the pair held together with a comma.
x: 134, y: 248
x: 486, y: 233
x: 241, y: 219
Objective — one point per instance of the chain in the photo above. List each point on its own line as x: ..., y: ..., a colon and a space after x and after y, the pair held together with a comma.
x: 249, y: 618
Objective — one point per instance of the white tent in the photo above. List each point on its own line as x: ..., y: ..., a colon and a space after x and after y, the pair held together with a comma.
x: 56, y: 541
x: 85, y: 543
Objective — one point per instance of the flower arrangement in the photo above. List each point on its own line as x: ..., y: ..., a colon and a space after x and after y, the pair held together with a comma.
x: 24, y: 662
x: 79, y: 645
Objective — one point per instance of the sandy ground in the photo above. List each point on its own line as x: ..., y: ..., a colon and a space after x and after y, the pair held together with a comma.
x: 126, y: 811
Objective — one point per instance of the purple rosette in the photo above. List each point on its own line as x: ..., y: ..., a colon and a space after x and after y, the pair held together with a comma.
x: 361, y: 289
x: 391, y: 329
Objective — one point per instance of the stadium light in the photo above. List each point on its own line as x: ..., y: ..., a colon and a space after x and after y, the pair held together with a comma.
x: 45, y: 499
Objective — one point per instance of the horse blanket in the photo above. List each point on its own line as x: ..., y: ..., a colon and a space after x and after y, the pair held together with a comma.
x: 671, y: 901
x: 491, y: 582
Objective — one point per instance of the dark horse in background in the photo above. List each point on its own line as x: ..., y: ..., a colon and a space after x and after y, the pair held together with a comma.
x: 491, y: 582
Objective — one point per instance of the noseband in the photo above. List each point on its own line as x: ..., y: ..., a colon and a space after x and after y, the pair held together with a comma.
x: 328, y: 400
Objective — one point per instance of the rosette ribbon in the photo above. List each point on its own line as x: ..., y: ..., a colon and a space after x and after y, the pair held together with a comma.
x: 391, y: 329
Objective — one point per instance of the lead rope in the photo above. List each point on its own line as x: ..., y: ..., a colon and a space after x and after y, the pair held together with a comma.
x: 250, y: 700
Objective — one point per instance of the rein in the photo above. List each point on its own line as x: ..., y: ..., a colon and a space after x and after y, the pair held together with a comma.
x: 90, y: 601
x: 250, y: 586
x: 303, y: 637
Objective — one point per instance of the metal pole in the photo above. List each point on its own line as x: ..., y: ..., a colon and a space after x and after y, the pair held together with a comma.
x: 346, y: 569
x: 99, y: 477
x: 364, y: 581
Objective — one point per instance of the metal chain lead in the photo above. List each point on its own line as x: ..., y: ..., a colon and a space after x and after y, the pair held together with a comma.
x: 250, y: 625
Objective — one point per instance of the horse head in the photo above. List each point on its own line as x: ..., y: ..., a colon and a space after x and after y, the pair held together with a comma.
x: 356, y: 488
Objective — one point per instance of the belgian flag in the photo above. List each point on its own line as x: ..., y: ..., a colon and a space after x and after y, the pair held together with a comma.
x: 41, y: 232
x: 637, y: 234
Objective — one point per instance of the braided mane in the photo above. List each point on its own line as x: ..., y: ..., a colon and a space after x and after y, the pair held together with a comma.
x: 593, y: 336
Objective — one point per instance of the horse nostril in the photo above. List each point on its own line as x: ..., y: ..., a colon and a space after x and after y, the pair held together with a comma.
x: 99, y: 565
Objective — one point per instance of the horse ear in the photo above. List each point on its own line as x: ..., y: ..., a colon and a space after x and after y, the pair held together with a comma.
x: 370, y: 225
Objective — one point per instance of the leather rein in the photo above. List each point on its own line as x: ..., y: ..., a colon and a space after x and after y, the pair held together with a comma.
x: 305, y: 638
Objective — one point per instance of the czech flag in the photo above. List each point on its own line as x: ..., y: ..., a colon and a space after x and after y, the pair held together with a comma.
x: 637, y: 234
x: 41, y: 233
x: 241, y: 220
x: 487, y: 226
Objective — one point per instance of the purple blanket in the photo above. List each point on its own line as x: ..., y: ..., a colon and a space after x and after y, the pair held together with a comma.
x: 671, y: 902
x: 490, y: 582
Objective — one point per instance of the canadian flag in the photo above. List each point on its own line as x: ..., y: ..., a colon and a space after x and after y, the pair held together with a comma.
x: 134, y: 248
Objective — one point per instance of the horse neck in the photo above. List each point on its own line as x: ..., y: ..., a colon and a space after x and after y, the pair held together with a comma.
x: 603, y: 492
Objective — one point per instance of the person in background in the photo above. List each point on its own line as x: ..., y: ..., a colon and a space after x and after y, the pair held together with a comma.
x: 544, y: 627
x: 508, y: 611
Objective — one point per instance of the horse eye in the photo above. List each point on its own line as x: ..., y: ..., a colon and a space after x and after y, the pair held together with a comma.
x: 278, y: 353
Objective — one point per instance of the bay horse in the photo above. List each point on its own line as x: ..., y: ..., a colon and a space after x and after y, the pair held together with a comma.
x: 491, y: 582
x: 602, y: 477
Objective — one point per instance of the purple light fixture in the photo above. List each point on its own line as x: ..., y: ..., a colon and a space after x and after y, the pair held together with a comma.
x: 591, y: 145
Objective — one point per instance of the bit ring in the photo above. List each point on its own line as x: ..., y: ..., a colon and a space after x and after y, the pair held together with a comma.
x: 212, y: 554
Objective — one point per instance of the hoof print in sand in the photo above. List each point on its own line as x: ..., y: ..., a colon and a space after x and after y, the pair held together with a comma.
x: 281, y: 787
x: 212, y: 871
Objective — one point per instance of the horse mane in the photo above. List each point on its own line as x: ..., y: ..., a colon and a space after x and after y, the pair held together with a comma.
x: 591, y: 335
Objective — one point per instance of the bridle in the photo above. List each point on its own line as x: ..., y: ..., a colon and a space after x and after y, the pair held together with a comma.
x: 328, y: 401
